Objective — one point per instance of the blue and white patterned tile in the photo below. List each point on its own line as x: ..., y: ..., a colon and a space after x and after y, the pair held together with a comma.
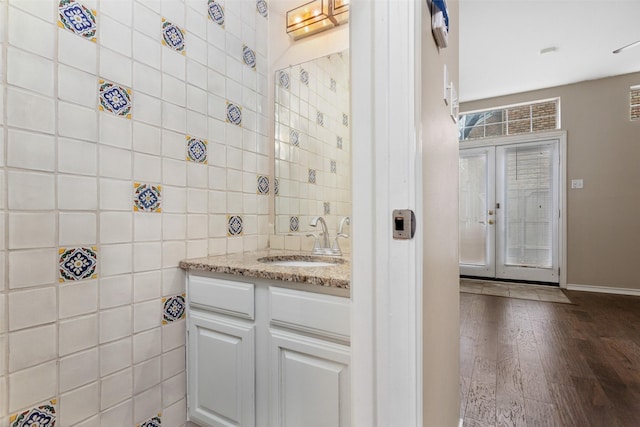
x: 78, y: 19
x: 334, y: 167
x: 294, y: 223
x: 294, y: 137
x: 249, y: 56
x: 234, y: 225
x: 197, y: 150
x: 147, y: 197
x: 332, y: 85
x: 173, y: 36
x: 216, y: 12
x: 39, y: 416
x: 312, y: 176
x: 276, y: 186
x: 77, y: 263
x: 263, y: 8
x: 283, y: 79
x: 152, y: 422
x: 263, y: 184
x: 173, y: 309
x: 304, y: 77
x: 345, y: 119
x: 327, y: 208
x: 339, y: 142
x: 234, y: 114
x: 320, y: 118
x: 115, y: 99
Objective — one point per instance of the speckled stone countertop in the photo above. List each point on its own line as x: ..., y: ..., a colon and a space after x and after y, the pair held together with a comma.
x: 249, y: 264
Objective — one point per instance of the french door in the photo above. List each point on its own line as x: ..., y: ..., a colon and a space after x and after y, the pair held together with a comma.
x: 509, y: 211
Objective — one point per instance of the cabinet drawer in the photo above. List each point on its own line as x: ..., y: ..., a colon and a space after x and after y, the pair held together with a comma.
x: 224, y: 296
x: 318, y: 314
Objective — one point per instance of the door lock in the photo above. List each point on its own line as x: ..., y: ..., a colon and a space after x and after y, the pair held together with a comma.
x: 404, y: 224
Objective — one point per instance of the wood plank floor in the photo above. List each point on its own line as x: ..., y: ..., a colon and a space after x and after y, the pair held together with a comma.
x: 532, y: 363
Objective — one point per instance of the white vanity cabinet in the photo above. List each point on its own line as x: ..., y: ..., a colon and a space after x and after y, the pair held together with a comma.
x: 221, y: 351
x: 263, y: 354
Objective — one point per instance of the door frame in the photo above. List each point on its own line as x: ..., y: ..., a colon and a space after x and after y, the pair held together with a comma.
x: 561, y: 137
x: 386, y: 276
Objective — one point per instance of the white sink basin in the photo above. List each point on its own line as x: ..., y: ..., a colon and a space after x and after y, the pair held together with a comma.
x: 301, y: 261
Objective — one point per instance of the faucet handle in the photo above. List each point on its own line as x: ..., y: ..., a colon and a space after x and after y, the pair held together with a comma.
x: 316, y: 243
x: 335, y: 248
x: 346, y: 220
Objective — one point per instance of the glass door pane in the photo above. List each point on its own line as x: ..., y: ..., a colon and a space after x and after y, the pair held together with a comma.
x: 528, y: 215
x: 475, y: 216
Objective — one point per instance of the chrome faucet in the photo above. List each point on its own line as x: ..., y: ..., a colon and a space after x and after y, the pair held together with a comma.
x: 325, y: 248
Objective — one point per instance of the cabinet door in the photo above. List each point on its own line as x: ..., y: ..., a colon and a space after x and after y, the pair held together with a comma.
x: 221, y: 371
x: 309, y: 381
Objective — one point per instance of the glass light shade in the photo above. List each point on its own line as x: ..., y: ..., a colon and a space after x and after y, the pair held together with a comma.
x: 340, y: 11
x: 308, y: 19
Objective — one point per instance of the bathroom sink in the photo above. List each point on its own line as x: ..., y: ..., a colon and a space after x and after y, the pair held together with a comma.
x: 301, y: 261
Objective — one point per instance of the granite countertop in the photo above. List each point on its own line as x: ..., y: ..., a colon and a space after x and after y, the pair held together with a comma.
x: 248, y: 264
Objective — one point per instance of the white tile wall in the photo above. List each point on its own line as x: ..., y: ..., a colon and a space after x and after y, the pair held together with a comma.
x: 78, y: 369
x: 101, y: 349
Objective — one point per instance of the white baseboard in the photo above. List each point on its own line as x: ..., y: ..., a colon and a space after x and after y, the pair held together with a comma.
x: 604, y: 289
x: 461, y: 422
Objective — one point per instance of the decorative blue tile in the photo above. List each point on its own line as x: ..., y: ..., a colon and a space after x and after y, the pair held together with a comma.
x: 312, y: 176
x: 147, y: 197
x: 327, y: 208
x: 40, y: 416
x: 263, y: 184
x: 294, y: 223
x: 304, y: 77
x: 339, y: 142
x: 173, y: 36
x: 262, y: 7
x: 216, y: 12
x: 283, y: 79
x: 332, y: 86
x: 77, y: 18
x: 249, y: 56
x: 196, y: 150
x: 320, y: 118
x: 152, y: 422
x: 234, y: 225
x: 333, y: 166
x: 173, y: 309
x: 77, y: 263
x: 345, y: 119
x: 234, y: 114
x: 276, y: 186
x: 294, y: 137
x: 115, y: 99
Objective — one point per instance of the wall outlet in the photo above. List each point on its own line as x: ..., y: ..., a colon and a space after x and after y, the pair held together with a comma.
x: 577, y: 183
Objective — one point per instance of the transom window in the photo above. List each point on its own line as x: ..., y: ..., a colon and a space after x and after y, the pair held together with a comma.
x: 634, y: 102
x: 512, y: 120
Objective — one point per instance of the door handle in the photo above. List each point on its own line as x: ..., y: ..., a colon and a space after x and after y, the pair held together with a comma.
x: 490, y: 212
x: 491, y: 222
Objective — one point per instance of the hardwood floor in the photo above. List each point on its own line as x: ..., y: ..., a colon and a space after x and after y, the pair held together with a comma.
x: 532, y: 363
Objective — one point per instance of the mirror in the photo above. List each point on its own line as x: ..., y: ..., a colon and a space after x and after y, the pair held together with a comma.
x: 312, y: 144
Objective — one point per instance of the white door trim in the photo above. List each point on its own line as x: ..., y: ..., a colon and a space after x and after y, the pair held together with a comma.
x: 386, y: 273
x: 561, y: 136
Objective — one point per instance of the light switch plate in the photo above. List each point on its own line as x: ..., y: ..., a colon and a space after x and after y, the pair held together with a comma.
x: 577, y: 183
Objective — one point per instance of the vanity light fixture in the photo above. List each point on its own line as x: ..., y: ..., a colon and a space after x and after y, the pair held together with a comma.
x: 316, y: 16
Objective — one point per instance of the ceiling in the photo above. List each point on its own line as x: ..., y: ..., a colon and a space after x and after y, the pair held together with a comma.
x: 500, y: 43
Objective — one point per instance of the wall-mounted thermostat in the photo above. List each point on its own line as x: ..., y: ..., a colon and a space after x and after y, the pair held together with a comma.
x: 404, y: 224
